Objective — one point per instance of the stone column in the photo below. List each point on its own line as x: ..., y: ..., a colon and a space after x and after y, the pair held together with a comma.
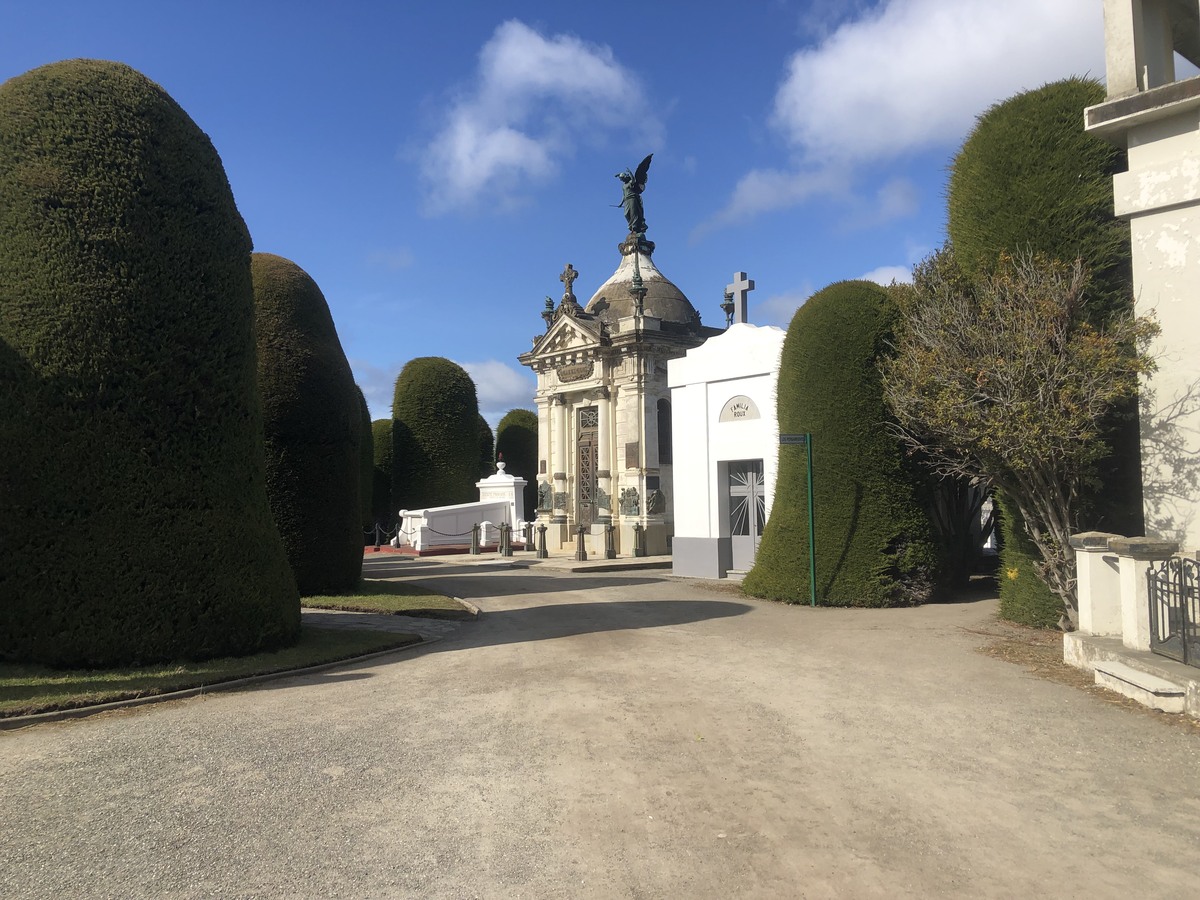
x: 1099, y: 585
x: 558, y: 460
x: 1136, y: 556
x: 604, y: 457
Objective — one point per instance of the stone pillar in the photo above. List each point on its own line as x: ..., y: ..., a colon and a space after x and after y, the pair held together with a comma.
x: 1136, y: 556
x: 604, y: 481
x: 558, y: 460
x: 1099, y: 585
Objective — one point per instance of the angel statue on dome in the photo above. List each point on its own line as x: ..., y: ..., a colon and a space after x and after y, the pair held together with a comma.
x: 631, y: 201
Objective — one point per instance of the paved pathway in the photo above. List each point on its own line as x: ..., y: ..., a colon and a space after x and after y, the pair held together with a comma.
x: 429, y: 629
x: 618, y: 735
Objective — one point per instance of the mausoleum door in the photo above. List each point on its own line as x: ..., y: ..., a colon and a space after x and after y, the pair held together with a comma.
x: 586, y: 456
x: 747, y: 510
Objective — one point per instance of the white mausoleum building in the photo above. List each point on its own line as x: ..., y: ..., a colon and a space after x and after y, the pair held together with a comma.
x: 727, y: 438
x: 1156, y: 119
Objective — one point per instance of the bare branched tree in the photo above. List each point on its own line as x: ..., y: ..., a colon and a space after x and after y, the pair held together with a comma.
x: 1000, y: 378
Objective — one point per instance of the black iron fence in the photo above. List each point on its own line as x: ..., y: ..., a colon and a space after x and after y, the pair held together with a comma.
x: 1175, y: 609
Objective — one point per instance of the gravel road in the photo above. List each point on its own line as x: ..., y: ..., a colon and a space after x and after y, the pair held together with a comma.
x: 612, y: 736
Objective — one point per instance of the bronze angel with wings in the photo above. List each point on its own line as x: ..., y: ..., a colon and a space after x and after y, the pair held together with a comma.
x: 631, y: 201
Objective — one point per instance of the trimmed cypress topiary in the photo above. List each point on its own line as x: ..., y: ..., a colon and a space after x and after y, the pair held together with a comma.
x: 517, y: 442
x: 381, y: 476
x: 487, y: 449
x: 435, y: 435
x: 311, y: 420
x: 366, y: 463
x: 133, y: 508
x: 874, y: 545
x: 1030, y: 178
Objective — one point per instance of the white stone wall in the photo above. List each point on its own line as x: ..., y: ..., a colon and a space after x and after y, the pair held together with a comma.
x: 741, y: 363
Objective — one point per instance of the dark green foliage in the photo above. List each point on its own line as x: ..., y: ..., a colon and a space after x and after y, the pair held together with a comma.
x: 381, y: 476
x: 133, y: 512
x: 873, y: 539
x: 1030, y: 178
x: 311, y: 419
x: 366, y: 463
x: 435, y: 435
x: 487, y: 449
x: 517, y: 442
x: 1024, y: 596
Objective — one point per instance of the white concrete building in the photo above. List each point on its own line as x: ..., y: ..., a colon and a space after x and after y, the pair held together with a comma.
x: 1157, y: 120
x: 726, y: 448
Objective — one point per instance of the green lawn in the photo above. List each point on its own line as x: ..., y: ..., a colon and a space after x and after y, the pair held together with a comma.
x: 26, y: 689
x: 392, y: 597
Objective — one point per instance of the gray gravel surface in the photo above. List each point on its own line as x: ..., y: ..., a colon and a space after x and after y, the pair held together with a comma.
x: 618, y: 736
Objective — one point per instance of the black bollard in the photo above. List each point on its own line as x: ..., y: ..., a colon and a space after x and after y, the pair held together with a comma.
x: 610, y: 549
x: 475, y: 539
x: 378, y: 537
x: 639, y: 539
x: 505, y: 539
x: 529, y: 543
x: 580, y: 553
x: 541, y: 546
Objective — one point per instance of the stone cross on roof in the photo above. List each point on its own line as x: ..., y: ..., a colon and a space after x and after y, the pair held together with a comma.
x: 739, y: 289
x: 568, y: 277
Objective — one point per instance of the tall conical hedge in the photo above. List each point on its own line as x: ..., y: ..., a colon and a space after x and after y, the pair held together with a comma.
x: 133, y: 512
x: 381, y: 480
x: 366, y: 464
x: 435, y: 435
x: 311, y: 421
x: 517, y: 441
x: 874, y: 544
x: 487, y: 449
x: 1030, y: 178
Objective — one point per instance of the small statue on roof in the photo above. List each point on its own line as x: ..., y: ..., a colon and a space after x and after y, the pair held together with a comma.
x: 631, y: 200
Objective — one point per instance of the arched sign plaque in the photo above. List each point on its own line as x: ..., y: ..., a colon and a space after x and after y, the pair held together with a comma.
x: 738, y: 409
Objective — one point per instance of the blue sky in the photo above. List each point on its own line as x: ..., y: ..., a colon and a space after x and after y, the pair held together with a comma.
x: 434, y: 166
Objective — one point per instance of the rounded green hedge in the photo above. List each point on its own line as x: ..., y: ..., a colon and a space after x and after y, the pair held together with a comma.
x: 874, y: 545
x: 517, y: 442
x: 366, y: 464
x: 487, y: 449
x: 311, y: 421
x: 381, y: 474
x: 133, y: 508
x: 435, y: 435
x: 1029, y: 177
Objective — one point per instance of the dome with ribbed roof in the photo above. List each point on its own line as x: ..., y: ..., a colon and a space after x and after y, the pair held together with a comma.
x: 613, y: 301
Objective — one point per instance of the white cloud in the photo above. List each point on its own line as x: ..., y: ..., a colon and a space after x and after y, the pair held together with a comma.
x: 913, y: 74
x: 778, y: 309
x: 500, y: 387
x: 903, y: 77
x: 885, y: 275
x: 765, y: 190
x: 534, y: 97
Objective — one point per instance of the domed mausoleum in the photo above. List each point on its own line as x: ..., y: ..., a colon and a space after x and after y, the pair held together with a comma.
x: 604, y: 409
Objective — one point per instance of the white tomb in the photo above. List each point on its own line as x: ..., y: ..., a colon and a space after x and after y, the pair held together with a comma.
x: 726, y: 444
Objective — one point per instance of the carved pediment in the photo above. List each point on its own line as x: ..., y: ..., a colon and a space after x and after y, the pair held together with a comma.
x: 566, y: 335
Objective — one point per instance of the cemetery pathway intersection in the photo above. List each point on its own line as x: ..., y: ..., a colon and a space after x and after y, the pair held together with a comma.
x: 617, y: 735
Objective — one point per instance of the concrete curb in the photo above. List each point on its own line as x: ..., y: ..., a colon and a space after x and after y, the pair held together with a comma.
x: 13, y: 723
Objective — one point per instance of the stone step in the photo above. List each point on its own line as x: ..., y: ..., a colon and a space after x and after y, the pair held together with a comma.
x: 1146, y: 689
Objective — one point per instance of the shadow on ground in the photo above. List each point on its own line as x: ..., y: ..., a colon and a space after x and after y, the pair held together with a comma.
x: 559, y: 620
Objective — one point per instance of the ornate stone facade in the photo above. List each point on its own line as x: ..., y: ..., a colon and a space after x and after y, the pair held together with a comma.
x: 603, y: 403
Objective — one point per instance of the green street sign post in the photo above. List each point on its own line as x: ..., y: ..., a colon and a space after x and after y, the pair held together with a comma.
x: 805, y: 441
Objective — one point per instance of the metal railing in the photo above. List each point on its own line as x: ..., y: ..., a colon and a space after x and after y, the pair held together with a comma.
x: 1175, y: 609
